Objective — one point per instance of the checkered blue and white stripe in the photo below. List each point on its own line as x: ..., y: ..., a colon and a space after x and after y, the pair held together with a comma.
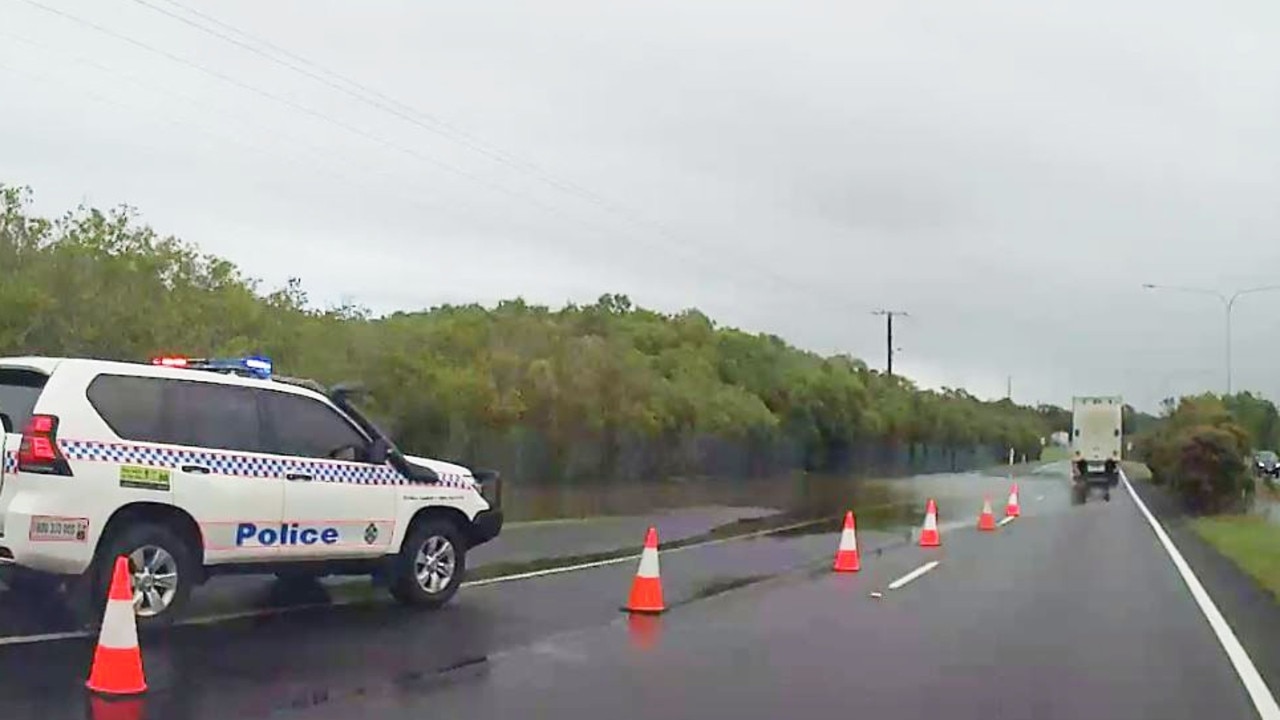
x: 247, y: 466
x: 9, y: 462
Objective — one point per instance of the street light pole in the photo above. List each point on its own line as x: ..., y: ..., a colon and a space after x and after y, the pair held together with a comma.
x: 1228, y: 303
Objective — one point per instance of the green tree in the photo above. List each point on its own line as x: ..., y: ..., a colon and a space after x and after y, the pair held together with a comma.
x: 602, y: 390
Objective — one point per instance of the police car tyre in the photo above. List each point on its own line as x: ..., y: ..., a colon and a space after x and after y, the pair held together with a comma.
x: 429, y: 568
x: 162, y: 565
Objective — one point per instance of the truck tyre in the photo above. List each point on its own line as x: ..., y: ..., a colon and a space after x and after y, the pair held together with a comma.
x: 163, y: 567
x: 430, y: 565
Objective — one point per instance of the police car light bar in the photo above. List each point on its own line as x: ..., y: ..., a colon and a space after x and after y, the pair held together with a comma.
x: 253, y: 366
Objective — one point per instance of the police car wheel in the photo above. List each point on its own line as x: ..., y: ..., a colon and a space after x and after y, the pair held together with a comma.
x: 430, y: 565
x: 162, y: 569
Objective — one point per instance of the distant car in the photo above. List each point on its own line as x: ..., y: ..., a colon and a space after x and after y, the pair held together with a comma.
x: 1266, y: 463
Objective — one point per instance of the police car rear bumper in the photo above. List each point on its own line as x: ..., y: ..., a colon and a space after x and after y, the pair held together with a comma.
x: 486, y: 526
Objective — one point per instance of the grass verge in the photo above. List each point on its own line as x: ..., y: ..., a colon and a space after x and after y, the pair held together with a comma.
x: 1136, y: 471
x: 1249, y: 541
x: 1054, y: 453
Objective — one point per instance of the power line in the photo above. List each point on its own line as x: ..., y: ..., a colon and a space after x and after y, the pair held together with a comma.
x: 344, y: 180
x: 427, y: 121
x: 301, y: 108
x: 679, y: 245
x: 421, y: 119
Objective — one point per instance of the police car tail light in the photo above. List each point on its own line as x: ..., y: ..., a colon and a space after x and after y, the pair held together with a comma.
x: 39, y: 452
x: 169, y: 361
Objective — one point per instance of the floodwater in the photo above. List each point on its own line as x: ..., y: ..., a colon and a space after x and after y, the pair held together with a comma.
x: 800, y: 495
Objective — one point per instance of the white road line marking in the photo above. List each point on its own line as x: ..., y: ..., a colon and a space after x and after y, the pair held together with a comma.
x: 1006, y: 521
x: 264, y: 612
x: 45, y: 637
x: 913, y: 574
x: 557, y: 570
x: 1259, y: 693
x: 1039, y: 498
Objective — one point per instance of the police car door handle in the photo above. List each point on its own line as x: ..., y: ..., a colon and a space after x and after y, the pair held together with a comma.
x: 197, y: 469
x: 298, y: 476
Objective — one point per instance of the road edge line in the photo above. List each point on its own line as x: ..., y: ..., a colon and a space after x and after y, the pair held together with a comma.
x: 1263, y: 701
x: 902, y: 581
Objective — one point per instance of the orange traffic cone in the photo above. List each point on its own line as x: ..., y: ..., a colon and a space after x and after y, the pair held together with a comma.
x: 117, y: 663
x: 646, y: 589
x: 847, y: 554
x: 987, y: 520
x: 1012, y: 510
x: 929, y: 534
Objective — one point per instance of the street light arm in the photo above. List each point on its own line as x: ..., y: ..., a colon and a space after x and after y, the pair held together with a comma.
x: 1250, y: 291
x: 1193, y: 290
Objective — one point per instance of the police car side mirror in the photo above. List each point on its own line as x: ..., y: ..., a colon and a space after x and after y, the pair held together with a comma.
x: 379, y: 450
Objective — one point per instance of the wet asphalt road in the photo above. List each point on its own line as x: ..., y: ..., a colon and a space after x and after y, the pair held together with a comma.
x: 522, y: 542
x: 1068, y: 612
x: 1073, y: 613
x: 259, y: 667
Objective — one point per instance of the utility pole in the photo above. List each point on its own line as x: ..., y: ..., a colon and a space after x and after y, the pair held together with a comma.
x: 1009, y: 391
x: 888, y: 316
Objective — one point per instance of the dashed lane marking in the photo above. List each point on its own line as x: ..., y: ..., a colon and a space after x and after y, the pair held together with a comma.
x: 1006, y: 521
x: 896, y: 584
x: 1263, y: 701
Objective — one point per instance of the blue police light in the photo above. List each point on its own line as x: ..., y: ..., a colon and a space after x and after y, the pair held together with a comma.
x: 258, y: 365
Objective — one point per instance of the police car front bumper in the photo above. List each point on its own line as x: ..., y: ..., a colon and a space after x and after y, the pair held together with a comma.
x: 486, y: 526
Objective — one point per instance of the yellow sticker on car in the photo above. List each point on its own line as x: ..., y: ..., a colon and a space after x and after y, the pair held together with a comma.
x: 144, y: 478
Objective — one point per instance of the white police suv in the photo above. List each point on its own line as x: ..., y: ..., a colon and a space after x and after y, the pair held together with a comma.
x: 195, y: 467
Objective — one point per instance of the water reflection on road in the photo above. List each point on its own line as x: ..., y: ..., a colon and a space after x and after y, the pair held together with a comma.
x: 800, y: 494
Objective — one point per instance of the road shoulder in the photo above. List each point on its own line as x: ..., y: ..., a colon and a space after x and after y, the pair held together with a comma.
x: 1251, y: 611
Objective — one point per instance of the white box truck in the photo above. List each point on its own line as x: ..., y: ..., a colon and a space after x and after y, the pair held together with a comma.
x: 1097, y: 429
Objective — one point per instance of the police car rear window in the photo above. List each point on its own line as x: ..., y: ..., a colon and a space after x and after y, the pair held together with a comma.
x: 179, y: 412
x: 133, y: 407
x: 19, y: 391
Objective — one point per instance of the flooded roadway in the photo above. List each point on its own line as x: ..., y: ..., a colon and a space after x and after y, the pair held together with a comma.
x: 320, y: 654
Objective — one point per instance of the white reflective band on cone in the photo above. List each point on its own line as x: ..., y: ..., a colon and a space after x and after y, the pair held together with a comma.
x: 930, y: 522
x: 848, y: 541
x: 119, y: 628
x: 648, y: 564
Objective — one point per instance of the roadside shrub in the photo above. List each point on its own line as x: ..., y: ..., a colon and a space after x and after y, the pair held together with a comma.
x: 1213, y: 471
x: 1201, y: 453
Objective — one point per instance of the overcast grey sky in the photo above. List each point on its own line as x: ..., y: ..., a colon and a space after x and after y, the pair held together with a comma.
x: 1009, y: 172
